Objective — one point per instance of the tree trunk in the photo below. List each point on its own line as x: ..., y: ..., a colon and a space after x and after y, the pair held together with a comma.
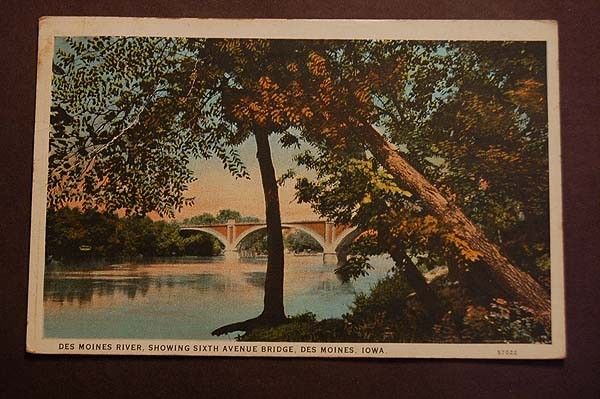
x: 453, y: 269
x: 516, y: 283
x: 273, y: 301
x: 273, y: 312
x: 414, y: 278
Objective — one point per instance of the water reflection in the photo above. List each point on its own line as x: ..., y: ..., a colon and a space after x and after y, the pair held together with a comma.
x: 64, y: 288
x: 185, y: 299
x: 256, y: 279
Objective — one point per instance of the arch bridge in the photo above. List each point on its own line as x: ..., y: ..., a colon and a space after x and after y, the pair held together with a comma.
x: 333, y: 238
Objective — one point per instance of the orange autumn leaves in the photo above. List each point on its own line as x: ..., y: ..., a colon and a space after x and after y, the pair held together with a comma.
x: 317, y: 65
x: 285, y: 105
x: 529, y: 94
x: 310, y: 94
x: 272, y: 104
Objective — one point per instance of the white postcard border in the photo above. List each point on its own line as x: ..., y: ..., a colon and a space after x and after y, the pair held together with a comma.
x: 51, y: 27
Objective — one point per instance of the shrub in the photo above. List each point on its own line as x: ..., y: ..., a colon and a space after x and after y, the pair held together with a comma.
x: 300, y: 328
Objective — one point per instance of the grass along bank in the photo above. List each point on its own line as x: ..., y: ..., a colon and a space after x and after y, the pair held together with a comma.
x: 390, y: 312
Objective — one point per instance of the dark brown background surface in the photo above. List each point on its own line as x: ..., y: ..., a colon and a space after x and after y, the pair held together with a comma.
x: 59, y: 376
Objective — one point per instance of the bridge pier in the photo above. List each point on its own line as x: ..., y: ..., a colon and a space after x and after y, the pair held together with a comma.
x: 231, y: 254
x: 330, y: 258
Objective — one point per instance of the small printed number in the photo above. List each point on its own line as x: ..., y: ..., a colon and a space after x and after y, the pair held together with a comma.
x: 507, y: 352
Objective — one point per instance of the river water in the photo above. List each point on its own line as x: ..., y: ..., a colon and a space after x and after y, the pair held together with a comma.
x: 187, y: 299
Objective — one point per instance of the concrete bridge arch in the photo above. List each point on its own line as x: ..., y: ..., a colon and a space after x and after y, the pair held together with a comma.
x: 333, y: 238
x: 212, y: 232
x: 308, y: 231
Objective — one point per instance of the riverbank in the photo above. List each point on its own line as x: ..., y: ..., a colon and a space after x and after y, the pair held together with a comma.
x: 390, y: 312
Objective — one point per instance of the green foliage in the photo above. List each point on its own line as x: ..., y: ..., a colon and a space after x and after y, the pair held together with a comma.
x: 386, y: 314
x: 357, y: 262
x: 300, y: 328
x: 299, y: 241
x: 225, y: 215
x: 128, y: 113
x: 491, y: 136
x: 471, y: 117
x: 111, y: 237
x: 72, y: 235
x: 222, y: 217
x: 201, y: 245
x: 500, y: 321
x: 391, y: 313
x: 205, y: 218
x: 515, y: 323
x: 255, y: 243
x: 68, y: 229
x: 354, y: 267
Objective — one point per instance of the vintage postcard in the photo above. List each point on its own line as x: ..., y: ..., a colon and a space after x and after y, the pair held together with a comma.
x: 312, y: 188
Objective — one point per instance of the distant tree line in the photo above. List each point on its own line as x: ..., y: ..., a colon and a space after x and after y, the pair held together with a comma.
x: 72, y: 234
x: 295, y: 241
x: 298, y: 241
x: 223, y: 216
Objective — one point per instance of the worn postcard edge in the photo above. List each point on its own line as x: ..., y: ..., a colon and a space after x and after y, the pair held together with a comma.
x: 51, y: 27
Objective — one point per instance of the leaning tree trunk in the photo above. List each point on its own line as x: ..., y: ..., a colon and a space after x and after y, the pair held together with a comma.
x: 515, y: 282
x: 273, y: 312
x: 415, y: 279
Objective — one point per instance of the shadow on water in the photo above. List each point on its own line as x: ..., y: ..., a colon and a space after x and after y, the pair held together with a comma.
x: 83, y: 290
x: 81, y: 287
x: 344, y: 287
x: 256, y: 279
